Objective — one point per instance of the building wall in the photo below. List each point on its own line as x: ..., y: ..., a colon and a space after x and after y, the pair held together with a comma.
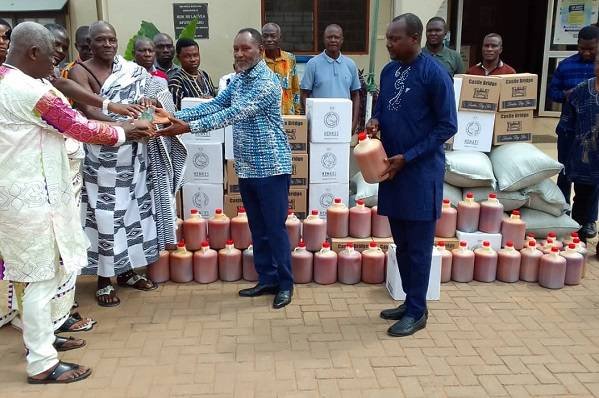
x: 225, y: 18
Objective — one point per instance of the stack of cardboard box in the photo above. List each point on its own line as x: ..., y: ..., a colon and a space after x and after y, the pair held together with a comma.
x: 494, y: 110
x: 330, y: 121
x: 203, y: 187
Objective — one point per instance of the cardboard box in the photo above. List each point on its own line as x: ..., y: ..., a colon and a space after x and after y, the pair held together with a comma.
x: 204, y: 197
x: 232, y: 202
x: 329, y: 163
x: 229, y: 143
x: 298, y: 202
x: 450, y: 243
x: 231, y: 178
x: 213, y: 136
x: 479, y: 93
x: 329, y: 119
x: 360, y: 244
x: 204, y: 164
x: 518, y: 92
x: 320, y: 196
x: 513, y: 126
x: 299, y: 174
x: 475, y: 131
x: 394, y: 278
x: 476, y: 239
x: 296, y: 128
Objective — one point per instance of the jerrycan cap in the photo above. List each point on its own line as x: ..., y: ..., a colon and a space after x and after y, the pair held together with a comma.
x: 552, y: 234
x: 326, y: 245
x: 314, y: 212
x: 301, y: 244
x: 515, y: 212
x: 205, y: 244
x: 441, y: 243
x: 572, y: 246
x: 372, y: 245
x: 576, y: 240
x: 492, y: 195
x: 360, y: 202
x: 532, y: 243
x: 554, y: 250
x: 574, y: 234
x: 218, y: 211
x: 290, y: 212
x: 463, y: 243
x: 194, y: 211
x: 181, y: 243
x: 469, y: 195
x: 337, y: 200
x: 230, y: 242
x: 486, y: 244
x: 241, y: 209
x: 362, y: 136
x: 509, y: 244
x: 446, y: 201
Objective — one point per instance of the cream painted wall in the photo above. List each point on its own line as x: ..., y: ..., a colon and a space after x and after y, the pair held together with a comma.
x: 424, y: 9
x: 226, y: 17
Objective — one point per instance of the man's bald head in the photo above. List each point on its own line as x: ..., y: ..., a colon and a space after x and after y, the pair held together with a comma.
x: 333, y: 40
x: 271, y: 25
x: 32, y: 49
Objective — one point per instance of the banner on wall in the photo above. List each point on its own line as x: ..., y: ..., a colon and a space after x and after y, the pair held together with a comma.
x: 571, y: 16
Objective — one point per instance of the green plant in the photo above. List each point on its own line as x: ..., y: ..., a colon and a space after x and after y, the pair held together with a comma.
x: 149, y: 30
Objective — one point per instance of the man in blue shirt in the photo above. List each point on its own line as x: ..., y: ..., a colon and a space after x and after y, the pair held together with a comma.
x: 415, y: 114
x: 252, y: 104
x: 569, y: 73
x: 332, y: 75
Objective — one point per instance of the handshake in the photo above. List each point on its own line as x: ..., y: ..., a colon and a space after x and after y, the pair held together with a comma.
x: 145, y: 126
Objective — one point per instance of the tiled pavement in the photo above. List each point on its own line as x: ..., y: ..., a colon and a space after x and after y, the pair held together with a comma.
x: 202, y: 340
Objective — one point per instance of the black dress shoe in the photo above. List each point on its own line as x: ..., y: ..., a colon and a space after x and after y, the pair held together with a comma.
x: 395, y: 314
x: 259, y: 290
x: 407, y: 326
x: 589, y: 230
x: 282, y: 299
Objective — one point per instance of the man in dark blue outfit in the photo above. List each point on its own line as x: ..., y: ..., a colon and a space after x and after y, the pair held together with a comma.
x: 416, y: 114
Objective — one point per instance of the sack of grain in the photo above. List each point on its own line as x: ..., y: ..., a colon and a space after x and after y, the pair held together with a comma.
x: 468, y: 169
x: 547, y: 197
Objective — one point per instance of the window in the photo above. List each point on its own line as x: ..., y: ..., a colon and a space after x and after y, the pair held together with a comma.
x: 303, y: 22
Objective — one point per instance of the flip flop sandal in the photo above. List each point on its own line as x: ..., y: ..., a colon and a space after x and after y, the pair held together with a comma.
x: 78, y: 316
x: 107, y: 291
x: 67, y: 326
x: 58, y: 371
x: 75, y: 305
x: 60, y: 342
x: 133, y: 280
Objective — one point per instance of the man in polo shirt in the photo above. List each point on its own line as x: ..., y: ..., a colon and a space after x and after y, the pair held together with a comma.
x: 491, y: 63
x: 331, y: 74
x: 436, y: 29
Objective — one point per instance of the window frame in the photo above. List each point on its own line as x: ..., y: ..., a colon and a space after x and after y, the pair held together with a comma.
x: 316, y: 33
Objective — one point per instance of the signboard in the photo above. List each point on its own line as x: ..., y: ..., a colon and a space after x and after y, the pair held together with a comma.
x: 183, y: 13
x: 571, y: 16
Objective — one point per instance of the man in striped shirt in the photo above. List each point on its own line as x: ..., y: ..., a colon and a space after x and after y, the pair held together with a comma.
x: 252, y: 104
x: 570, y: 72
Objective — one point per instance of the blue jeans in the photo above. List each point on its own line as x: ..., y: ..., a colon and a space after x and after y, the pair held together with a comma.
x: 266, y: 201
x: 414, y: 240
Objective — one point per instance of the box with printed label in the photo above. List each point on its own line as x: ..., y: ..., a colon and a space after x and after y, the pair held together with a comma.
x: 204, y: 164
x: 298, y: 202
x: 232, y: 202
x: 229, y: 143
x: 212, y: 136
x: 476, y: 239
x: 231, y: 178
x: 320, y: 196
x: 393, y: 279
x: 329, y: 119
x: 513, y: 126
x: 518, y: 92
x: 204, y: 197
x: 479, y: 93
x: 475, y: 131
x: 296, y: 128
x: 450, y: 243
x: 329, y: 163
x: 299, y: 173
x: 360, y: 244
